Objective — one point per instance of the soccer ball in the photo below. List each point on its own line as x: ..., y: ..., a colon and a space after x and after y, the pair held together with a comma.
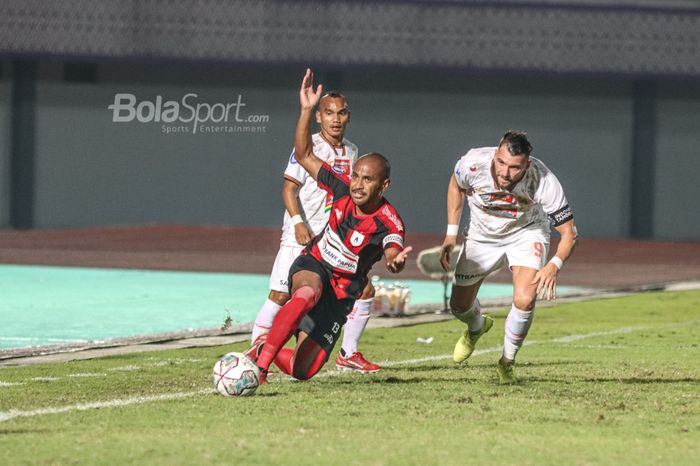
x: 236, y: 375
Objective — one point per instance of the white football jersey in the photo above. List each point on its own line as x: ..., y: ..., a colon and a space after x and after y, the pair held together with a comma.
x: 315, y: 202
x: 535, y: 202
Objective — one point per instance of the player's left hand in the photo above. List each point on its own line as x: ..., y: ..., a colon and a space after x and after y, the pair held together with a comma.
x: 546, y: 281
x: 397, y: 264
x: 308, y: 98
x: 302, y: 234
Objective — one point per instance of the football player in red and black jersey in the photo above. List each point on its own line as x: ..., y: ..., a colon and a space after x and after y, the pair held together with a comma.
x: 329, y: 275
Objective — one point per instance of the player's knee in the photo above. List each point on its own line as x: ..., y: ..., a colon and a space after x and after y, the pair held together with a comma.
x: 309, y: 358
x: 304, y: 370
x: 300, y: 374
x: 460, y: 305
x: 308, y: 293
x: 278, y: 297
x: 524, y: 301
x: 368, y: 292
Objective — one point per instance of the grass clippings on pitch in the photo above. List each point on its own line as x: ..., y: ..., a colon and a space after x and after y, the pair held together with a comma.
x: 612, y: 381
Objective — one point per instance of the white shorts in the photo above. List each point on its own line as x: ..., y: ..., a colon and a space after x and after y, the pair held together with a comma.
x: 280, y: 269
x: 480, y: 259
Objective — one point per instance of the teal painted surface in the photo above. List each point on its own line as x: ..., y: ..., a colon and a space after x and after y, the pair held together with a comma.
x: 52, y: 305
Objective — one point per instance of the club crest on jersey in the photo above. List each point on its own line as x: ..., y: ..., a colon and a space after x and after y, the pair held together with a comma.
x: 357, y: 238
x: 341, y: 166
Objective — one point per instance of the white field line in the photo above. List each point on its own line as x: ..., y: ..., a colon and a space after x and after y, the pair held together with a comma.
x: 12, y: 414
x: 128, y: 368
x: 11, y: 384
x: 7, y: 415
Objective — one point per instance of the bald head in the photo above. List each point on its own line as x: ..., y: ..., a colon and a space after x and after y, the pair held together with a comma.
x: 380, y: 163
x: 369, y: 181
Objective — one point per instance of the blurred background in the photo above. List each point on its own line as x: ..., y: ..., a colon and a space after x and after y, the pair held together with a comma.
x: 183, y: 111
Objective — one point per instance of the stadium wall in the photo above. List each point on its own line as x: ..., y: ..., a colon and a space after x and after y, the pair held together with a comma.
x: 609, y: 93
x: 91, y: 170
x: 678, y: 161
x: 5, y: 177
x: 656, y: 37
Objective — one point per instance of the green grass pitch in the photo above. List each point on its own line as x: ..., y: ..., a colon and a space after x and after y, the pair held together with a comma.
x: 607, y: 381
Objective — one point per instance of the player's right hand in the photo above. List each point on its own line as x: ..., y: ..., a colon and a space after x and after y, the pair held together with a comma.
x: 446, y: 252
x: 307, y: 97
x: 302, y: 234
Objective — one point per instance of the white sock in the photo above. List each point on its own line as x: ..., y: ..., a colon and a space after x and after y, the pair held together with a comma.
x: 517, y: 325
x: 263, y: 321
x: 472, y: 317
x: 355, y: 326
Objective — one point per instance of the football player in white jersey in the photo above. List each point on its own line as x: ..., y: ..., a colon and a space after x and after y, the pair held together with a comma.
x: 513, y: 199
x: 307, y: 210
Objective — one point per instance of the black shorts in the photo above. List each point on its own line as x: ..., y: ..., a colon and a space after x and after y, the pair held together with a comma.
x: 327, y: 317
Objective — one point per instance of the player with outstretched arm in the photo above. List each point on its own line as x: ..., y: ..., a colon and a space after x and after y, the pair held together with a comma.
x: 513, y: 198
x: 331, y: 272
x: 307, y: 208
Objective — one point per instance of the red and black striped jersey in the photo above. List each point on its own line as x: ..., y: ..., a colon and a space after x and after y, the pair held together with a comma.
x: 350, y: 244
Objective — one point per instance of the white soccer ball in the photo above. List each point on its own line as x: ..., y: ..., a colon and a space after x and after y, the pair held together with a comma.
x: 236, y: 375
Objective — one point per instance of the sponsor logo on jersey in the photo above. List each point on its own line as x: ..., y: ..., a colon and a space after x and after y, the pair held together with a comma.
x: 357, y: 238
x: 338, y: 214
x: 335, y: 253
x: 392, y: 217
x: 292, y: 160
x: 341, y: 166
x: 393, y: 238
x: 328, y: 338
x: 502, y: 204
x: 463, y: 276
x: 499, y: 196
x: 500, y: 211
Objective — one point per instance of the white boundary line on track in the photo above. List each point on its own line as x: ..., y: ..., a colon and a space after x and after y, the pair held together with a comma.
x: 12, y: 414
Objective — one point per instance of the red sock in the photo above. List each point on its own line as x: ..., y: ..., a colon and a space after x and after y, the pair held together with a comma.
x: 286, y: 323
x: 283, y: 360
x: 317, y: 358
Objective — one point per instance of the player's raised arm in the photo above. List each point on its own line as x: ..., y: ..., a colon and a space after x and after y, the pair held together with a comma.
x: 303, y: 146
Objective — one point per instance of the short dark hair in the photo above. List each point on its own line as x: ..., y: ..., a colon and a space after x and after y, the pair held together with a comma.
x: 333, y: 94
x: 517, y: 142
x: 386, y: 166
